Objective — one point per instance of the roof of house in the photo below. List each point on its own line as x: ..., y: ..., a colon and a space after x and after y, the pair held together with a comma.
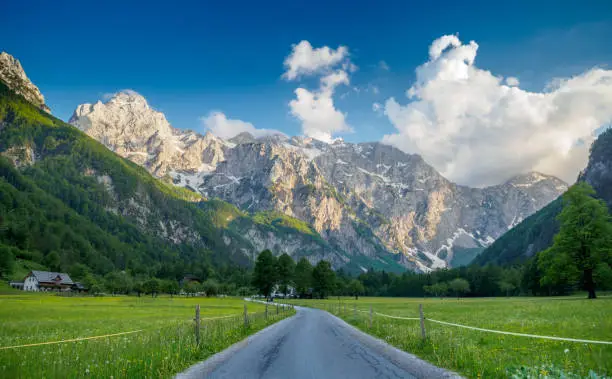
x: 49, y: 277
x: 79, y: 285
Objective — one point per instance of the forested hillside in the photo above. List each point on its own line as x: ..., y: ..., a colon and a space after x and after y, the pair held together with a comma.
x: 68, y: 203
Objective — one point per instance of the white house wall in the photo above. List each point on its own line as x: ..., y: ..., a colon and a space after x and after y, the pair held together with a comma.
x: 30, y: 284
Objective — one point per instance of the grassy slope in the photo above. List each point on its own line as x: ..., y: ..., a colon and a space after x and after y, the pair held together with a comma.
x: 478, y: 354
x: 165, y: 346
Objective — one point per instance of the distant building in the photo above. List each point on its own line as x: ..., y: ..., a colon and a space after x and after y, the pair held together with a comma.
x: 188, y: 278
x: 17, y: 285
x: 47, y: 281
x: 78, y: 287
x: 276, y: 293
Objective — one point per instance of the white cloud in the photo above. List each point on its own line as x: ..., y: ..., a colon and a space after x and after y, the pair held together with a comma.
x: 377, y: 107
x: 315, y: 109
x: 320, y: 118
x: 304, y: 60
x: 383, y: 66
x: 476, y: 130
x: 512, y: 81
x: 221, y: 126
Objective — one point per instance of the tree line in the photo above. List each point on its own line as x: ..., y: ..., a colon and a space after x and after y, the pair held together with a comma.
x: 283, y: 276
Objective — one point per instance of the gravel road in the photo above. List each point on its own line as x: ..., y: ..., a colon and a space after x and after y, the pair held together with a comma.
x: 313, y: 344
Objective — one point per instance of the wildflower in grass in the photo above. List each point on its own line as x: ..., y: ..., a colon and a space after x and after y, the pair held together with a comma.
x: 566, y: 351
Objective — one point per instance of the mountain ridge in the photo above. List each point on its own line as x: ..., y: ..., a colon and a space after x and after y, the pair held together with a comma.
x: 368, y: 198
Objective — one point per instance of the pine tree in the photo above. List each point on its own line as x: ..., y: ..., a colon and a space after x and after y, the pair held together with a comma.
x: 323, y: 279
x: 303, y: 277
x: 286, y: 268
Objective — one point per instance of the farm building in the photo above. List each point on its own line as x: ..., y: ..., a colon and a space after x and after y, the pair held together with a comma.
x: 47, y: 281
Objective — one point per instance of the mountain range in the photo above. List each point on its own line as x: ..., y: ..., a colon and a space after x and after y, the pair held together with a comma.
x: 357, y: 205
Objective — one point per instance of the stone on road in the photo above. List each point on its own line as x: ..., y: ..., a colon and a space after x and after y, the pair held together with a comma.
x: 314, y: 344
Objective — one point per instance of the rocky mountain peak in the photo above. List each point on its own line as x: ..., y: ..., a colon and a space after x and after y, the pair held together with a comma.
x: 131, y: 99
x: 244, y: 137
x: 16, y: 79
x: 531, y: 178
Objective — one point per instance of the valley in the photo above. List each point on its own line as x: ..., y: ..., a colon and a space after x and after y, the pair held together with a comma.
x: 202, y: 192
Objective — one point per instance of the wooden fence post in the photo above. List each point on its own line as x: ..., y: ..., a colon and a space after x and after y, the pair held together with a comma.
x: 355, y: 310
x: 423, y: 335
x: 276, y: 308
x: 246, y: 317
x: 266, y: 311
x: 197, y: 324
x: 371, y: 312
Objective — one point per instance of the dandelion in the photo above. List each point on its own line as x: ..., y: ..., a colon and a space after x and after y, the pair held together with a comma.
x: 566, y: 351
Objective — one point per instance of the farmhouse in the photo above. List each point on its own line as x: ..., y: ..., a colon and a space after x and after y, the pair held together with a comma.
x: 47, y: 281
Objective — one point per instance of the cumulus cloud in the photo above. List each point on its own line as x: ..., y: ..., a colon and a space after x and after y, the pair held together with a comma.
x: 320, y: 118
x: 221, y: 126
x: 304, y: 60
x: 479, y: 129
x: 315, y: 109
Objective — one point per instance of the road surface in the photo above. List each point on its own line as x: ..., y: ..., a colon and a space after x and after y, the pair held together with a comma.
x: 312, y: 345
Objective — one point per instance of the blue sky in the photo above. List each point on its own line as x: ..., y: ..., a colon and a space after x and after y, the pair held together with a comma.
x: 466, y: 118
x: 190, y: 58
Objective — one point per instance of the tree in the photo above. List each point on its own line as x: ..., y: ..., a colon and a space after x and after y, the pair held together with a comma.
x: 285, y: 269
x: 118, y: 282
x: 303, y: 277
x: 581, y: 249
x: 356, y: 288
x: 210, y: 287
x: 439, y: 289
x: 7, y: 261
x: 78, y: 271
x: 509, y: 281
x: 91, y: 283
x: 170, y: 287
x: 265, y: 275
x: 53, y: 261
x: 323, y: 279
x: 192, y: 288
x: 459, y: 286
x: 151, y: 286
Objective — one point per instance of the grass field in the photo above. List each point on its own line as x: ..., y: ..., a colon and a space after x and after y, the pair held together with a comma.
x: 163, y: 346
x: 477, y: 354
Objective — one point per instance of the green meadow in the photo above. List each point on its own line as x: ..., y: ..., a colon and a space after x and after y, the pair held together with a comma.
x: 477, y: 354
x: 159, y: 340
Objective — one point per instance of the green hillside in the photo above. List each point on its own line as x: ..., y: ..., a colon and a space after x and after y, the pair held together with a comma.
x: 65, y: 200
x: 526, y: 239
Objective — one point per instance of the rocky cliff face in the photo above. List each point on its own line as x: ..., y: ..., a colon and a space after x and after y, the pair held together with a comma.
x: 12, y: 74
x: 598, y: 172
x: 128, y: 126
x: 365, y: 200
